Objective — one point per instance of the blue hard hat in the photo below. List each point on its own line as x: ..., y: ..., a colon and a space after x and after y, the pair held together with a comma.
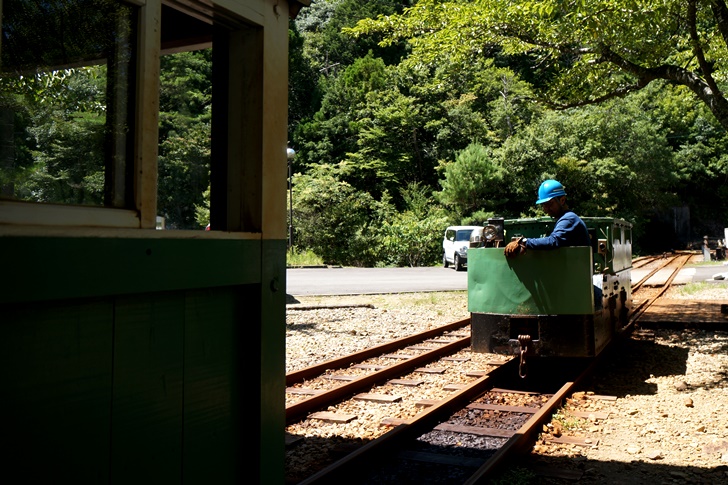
x: 548, y: 190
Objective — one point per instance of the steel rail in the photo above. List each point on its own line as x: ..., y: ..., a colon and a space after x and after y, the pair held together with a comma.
x: 297, y: 376
x: 527, y: 435
x: 649, y: 275
x: 299, y: 409
x: 681, y: 261
x: 393, y: 440
x: 411, y: 429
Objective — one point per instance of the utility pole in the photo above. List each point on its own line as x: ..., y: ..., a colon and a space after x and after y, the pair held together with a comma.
x: 291, y: 154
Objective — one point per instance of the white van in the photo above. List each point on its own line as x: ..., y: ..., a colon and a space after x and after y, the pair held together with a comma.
x: 455, y: 246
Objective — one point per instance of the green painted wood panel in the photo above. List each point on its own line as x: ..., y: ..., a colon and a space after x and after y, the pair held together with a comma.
x: 57, y: 268
x: 149, y: 382
x: 56, y: 382
x: 149, y: 375
x: 547, y: 282
x: 221, y: 360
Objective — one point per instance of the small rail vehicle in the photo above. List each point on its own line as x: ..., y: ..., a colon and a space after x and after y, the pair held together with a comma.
x: 566, y: 302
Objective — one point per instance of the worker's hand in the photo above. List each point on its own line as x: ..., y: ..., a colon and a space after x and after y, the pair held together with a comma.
x: 513, y: 249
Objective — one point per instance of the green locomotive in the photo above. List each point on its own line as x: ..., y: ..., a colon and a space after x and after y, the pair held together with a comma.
x: 567, y: 302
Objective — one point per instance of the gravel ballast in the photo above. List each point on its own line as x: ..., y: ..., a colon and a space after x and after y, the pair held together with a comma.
x: 666, y: 425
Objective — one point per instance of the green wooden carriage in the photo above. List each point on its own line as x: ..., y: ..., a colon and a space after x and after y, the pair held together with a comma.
x: 130, y: 354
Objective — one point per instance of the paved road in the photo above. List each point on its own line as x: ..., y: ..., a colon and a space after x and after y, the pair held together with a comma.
x: 357, y: 281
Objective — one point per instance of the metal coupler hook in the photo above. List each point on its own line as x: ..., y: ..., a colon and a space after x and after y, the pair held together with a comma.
x: 525, y: 342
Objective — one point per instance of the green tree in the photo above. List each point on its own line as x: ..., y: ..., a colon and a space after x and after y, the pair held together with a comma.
x: 389, y: 150
x: 334, y: 220
x: 585, y: 52
x: 472, y: 183
x: 476, y: 101
x: 202, y: 210
x: 334, y: 130
x: 304, y: 93
x: 702, y: 172
x: 699, y: 144
x: 413, y: 237
x: 59, y: 125
x: 328, y: 50
x: 184, y: 136
x: 387, y: 127
x: 613, y: 160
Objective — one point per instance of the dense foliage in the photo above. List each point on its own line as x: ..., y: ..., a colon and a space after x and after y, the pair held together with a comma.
x: 621, y: 102
x: 583, y: 51
x: 184, y: 139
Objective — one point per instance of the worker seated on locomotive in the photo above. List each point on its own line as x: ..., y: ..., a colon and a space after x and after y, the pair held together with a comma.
x: 569, y: 229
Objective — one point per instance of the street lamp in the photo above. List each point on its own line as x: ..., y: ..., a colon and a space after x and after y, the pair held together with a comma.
x: 291, y: 154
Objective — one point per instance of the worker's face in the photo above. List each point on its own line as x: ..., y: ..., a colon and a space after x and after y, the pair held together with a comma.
x: 553, y: 208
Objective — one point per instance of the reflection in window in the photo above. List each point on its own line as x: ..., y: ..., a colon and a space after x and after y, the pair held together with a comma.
x: 66, y: 78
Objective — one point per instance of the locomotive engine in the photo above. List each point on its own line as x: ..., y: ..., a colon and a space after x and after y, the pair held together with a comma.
x: 567, y: 302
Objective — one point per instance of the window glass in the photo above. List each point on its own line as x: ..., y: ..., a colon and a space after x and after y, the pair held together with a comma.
x: 185, y: 112
x: 66, y: 98
x: 185, y: 120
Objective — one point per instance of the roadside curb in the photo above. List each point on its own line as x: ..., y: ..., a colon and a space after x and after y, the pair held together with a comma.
x: 332, y: 306
x: 312, y: 266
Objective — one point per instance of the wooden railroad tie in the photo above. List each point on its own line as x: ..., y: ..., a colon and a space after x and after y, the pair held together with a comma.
x: 330, y: 417
x: 393, y: 421
x: 431, y: 370
x: 461, y: 461
x: 341, y: 377
x: 456, y: 359
x: 405, y: 382
x: 499, y: 407
x: 421, y: 347
x: 303, y: 390
x: 477, y: 430
x: 398, y: 356
x: 369, y: 366
x: 454, y: 387
x: 385, y: 398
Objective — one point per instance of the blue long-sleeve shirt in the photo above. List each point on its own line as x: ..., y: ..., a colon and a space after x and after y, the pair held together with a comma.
x: 569, y: 230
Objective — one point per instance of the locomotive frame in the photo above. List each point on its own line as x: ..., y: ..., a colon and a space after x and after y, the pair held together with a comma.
x: 567, y: 302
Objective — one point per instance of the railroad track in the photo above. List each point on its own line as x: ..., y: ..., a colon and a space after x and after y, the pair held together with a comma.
x: 320, y: 385
x: 644, y: 294
x: 483, y: 414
